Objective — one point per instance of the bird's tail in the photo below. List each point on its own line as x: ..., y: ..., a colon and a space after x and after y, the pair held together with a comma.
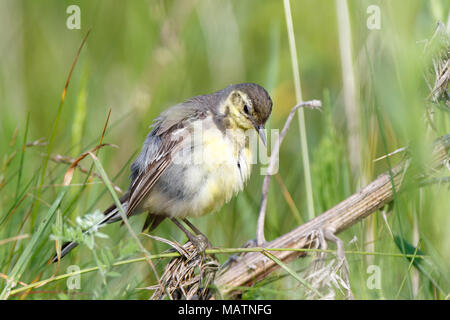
x: 112, y: 214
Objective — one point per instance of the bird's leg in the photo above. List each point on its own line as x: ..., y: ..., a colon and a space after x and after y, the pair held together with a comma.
x: 190, y: 225
x: 198, y: 232
x: 199, y: 240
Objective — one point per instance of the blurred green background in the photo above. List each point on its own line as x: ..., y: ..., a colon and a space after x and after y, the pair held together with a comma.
x: 143, y: 56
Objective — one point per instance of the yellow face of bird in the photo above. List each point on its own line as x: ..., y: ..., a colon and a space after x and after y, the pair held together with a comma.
x: 239, y: 109
x: 246, y: 113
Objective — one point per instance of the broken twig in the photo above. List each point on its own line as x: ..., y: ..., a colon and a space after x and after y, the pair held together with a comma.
x: 313, y: 104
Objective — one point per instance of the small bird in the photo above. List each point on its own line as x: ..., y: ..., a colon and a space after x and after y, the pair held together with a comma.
x: 195, y: 158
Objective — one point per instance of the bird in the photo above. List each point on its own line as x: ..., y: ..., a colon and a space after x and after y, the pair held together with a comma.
x: 196, y: 157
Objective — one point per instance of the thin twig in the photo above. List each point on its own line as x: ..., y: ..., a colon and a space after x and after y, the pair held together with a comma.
x: 390, y: 154
x: 313, y: 104
x: 19, y: 237
x: 69, y: 160
x: 437, y: 180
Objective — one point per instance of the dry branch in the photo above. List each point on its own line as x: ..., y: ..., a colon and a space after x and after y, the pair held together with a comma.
x: 254, y: 266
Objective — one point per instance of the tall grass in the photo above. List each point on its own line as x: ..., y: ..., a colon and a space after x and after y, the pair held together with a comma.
x: 301, y: 113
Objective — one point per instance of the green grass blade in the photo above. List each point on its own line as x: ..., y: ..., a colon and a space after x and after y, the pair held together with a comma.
x: 117, y: 202
x: 13, y: 206
x: 301, y: 112
x: 22, y: 155
x: 411, y: 253
x: 292, y: 272
x: 37, y: 237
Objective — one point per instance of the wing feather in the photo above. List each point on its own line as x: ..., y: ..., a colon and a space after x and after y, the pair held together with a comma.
x: 147, y: 178
x: 160, y: 145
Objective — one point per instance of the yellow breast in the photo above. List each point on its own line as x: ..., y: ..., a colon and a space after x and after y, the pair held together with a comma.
x: 227, y: 164
x: 205, y: 178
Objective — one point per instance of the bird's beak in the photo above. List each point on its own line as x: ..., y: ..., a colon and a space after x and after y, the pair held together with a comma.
x: 262, y: 134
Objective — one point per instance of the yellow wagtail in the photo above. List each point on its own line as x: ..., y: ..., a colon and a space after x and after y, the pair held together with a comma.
x: 185, y: 172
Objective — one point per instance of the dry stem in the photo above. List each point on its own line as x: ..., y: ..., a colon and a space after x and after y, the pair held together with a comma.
x: 255, y: 266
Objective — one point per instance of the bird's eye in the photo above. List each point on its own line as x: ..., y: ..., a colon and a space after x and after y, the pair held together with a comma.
x: 246, y: 109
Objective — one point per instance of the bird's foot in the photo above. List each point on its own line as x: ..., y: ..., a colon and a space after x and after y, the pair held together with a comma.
x: 200, y: 242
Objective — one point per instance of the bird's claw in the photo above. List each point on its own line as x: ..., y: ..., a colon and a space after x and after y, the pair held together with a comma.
x: 200, y: 242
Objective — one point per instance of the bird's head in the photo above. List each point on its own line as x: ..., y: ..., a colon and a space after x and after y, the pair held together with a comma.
x: 248, y: 106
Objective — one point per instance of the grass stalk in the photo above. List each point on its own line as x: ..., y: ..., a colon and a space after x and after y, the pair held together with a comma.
x: 54, y: 130
x: 28, y: 252
x: 301, y: 113
x: 349, y: 89
x: 22, y: 156
x: 123, y: 214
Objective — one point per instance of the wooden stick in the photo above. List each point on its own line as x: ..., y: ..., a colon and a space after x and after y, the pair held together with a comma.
x: 254, y: 266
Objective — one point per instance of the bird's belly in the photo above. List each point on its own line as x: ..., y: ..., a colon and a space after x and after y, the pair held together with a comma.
x: 202, y: 180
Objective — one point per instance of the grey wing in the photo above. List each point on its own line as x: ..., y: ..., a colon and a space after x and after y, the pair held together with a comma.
x: 146, y: 179
x: 173, y: 118
x: 158, y: 147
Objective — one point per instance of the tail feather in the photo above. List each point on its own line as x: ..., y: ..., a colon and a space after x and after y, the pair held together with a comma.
x: 65, y: 249
x: 112, y: 214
